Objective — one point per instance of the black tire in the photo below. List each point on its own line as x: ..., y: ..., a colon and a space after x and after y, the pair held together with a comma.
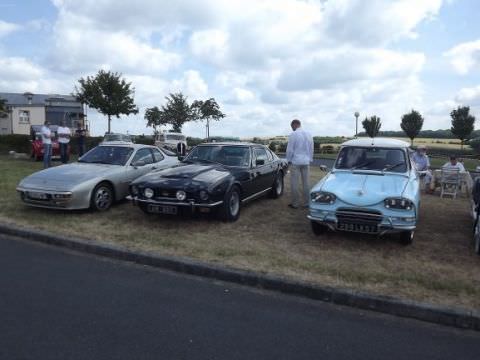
x: 318, y: 229
x: 406, y: 237
x: 277, y: 187
x: 102, y: 197
x: 230, y: 209
x: 476, y: 241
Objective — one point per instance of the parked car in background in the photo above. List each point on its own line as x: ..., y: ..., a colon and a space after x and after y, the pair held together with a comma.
x: 37, y: 143
x: 476, y: 215
x: 97, y: 180
x: 115, y: 137
x: 170, y: 140
x: 219, y: 176
x: 373, y: 188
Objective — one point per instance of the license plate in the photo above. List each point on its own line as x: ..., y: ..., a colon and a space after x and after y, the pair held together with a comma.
x: 357, y: 227
x: 162, y: 209
x: 37, y: 196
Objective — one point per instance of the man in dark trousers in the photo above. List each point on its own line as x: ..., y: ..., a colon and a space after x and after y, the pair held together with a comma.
x: 181, y: 148
x: 80, y: 133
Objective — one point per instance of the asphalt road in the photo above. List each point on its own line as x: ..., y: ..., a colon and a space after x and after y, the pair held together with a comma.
x: 56, y: 304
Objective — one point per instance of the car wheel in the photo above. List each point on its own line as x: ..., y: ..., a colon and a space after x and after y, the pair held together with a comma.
x: 277, y: 188
x: 318, y: 229
x: 406, y: 237
x: 476, y: 239
x: 102, y: 197
x: 230, y: 209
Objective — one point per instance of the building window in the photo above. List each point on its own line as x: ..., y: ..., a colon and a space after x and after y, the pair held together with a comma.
x: 24, y: 116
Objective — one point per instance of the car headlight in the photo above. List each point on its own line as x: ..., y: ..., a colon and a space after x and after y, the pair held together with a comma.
x: 203, y: 195
x: 398, y: 203
x: 323, y: 197
x: 134, y: 190
x: 148, y: 193
x: 181, y: 195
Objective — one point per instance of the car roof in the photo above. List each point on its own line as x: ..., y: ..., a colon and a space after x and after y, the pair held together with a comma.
x: 126, y: 144
x: 377, y: 142
x: 230, y: 143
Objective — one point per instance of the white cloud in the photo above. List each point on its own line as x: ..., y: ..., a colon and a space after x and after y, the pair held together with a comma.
x: 469, y: 96
x: 191, y: 84
x: 6, y: 28
x: 465, y: 57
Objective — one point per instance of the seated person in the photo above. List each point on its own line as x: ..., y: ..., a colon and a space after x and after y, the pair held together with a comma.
x: 454, y: 164
x: 422, y: 163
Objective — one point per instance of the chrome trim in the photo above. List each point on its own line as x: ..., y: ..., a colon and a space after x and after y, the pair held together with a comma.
x: 255, y: 195
x: 173, y: 203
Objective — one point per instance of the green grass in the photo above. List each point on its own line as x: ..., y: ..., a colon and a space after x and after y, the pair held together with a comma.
x: 440, y: 267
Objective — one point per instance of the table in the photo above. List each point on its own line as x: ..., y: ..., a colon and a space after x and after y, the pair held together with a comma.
x: 466, y: 181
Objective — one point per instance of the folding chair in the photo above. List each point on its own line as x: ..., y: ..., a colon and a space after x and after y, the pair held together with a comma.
x: 450, y: 182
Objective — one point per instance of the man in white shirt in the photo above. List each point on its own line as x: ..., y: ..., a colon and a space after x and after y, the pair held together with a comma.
x: 299, y: 157
x: 453, y: 164
x: 63, y: 140
x: 47, y: 144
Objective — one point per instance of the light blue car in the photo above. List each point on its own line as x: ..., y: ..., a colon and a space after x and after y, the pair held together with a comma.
x: 373, y: 188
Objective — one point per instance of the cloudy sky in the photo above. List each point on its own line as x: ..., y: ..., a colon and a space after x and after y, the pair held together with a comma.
x: 264, y: 61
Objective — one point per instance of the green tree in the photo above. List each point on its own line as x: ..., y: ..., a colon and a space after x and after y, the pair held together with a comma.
x: 3, y: 108
x: 177, y: 111
x: 154, y: 117
x: 412, y: 124
x: 462, y: 123
x: 207, y: 110
x: 372, y: 126
x: 107, y: 92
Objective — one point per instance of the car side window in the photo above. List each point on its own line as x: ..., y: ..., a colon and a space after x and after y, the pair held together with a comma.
x: 261, y: 157
x: 143, y: 154
x: 270, y: 155
x: 157, y: 155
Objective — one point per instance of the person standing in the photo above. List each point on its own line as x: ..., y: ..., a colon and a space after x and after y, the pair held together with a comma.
x: 80, y: 133
x: 422, y: 164
x: 181, y: 148
x: 299, y: 157
x: 63, y: 140
x: 47, y: 144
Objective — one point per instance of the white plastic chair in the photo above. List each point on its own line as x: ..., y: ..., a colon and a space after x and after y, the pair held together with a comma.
x: 450, y: 182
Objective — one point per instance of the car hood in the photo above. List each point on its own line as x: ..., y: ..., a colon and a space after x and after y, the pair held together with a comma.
x: 65, y: 177
x: 360, y: 189
x: 185, y: 174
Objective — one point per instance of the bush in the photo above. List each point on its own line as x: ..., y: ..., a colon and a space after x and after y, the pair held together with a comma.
x: 145, y: 140
x: 17, y: 143
x: 475, y: 145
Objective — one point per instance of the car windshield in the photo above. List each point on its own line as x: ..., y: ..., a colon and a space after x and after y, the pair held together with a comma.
x: 371, y: 158
x: 226, y: 155
x: 111, y: 155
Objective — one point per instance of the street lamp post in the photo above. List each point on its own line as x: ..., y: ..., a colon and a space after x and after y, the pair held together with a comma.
x: 356, y: 123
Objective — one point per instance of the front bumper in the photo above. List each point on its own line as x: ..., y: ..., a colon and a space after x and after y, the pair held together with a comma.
x: 51, y: 199
x: 170, y: 202
x: 388, y: 223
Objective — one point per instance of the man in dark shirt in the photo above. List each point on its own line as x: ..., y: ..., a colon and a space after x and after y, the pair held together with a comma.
x: 80, y: 133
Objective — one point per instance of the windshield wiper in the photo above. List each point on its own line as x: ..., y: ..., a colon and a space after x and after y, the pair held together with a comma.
x: 391, y: 167
x: 362, y: 165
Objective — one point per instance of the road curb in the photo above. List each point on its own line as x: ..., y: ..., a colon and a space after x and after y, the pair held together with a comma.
x: 456, y: 317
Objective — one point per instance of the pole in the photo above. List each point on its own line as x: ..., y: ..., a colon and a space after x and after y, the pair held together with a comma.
x: 356, y: 123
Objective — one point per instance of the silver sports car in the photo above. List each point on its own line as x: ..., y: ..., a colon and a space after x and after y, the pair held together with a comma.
x: 99, y: 178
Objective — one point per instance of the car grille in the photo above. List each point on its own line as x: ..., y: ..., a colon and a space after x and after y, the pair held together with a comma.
x: 358, y: 220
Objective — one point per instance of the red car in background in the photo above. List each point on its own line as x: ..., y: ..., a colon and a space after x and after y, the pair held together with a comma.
x: 37, y: 143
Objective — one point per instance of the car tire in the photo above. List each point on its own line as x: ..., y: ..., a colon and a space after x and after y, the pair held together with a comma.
x: 102, y: 197
x: 406, y: 237
x: 230, y: 209
x: 277, y: 188
x: 318, y: 229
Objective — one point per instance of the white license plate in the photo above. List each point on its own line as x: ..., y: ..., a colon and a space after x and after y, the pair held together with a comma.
x: 163, y: 209
x: 37, y: 195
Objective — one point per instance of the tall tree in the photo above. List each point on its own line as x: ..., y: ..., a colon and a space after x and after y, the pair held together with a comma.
x: 372, y: 126
x: 412, y: 124
x: 3, y: 108
x: 154, y: 117
x: 462, y: 123
x: 177, y: 111
x: 207, y: 110
x: 107, y: 92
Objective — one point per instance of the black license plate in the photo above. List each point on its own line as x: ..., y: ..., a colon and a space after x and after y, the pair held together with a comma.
x: 163, y: 209
x: 37, y: 195
x: 363, y: 228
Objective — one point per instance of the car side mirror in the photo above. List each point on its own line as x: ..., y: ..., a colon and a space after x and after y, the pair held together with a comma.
x: 324, y: 168
x: 260, y: 162
x: 139, y: 163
